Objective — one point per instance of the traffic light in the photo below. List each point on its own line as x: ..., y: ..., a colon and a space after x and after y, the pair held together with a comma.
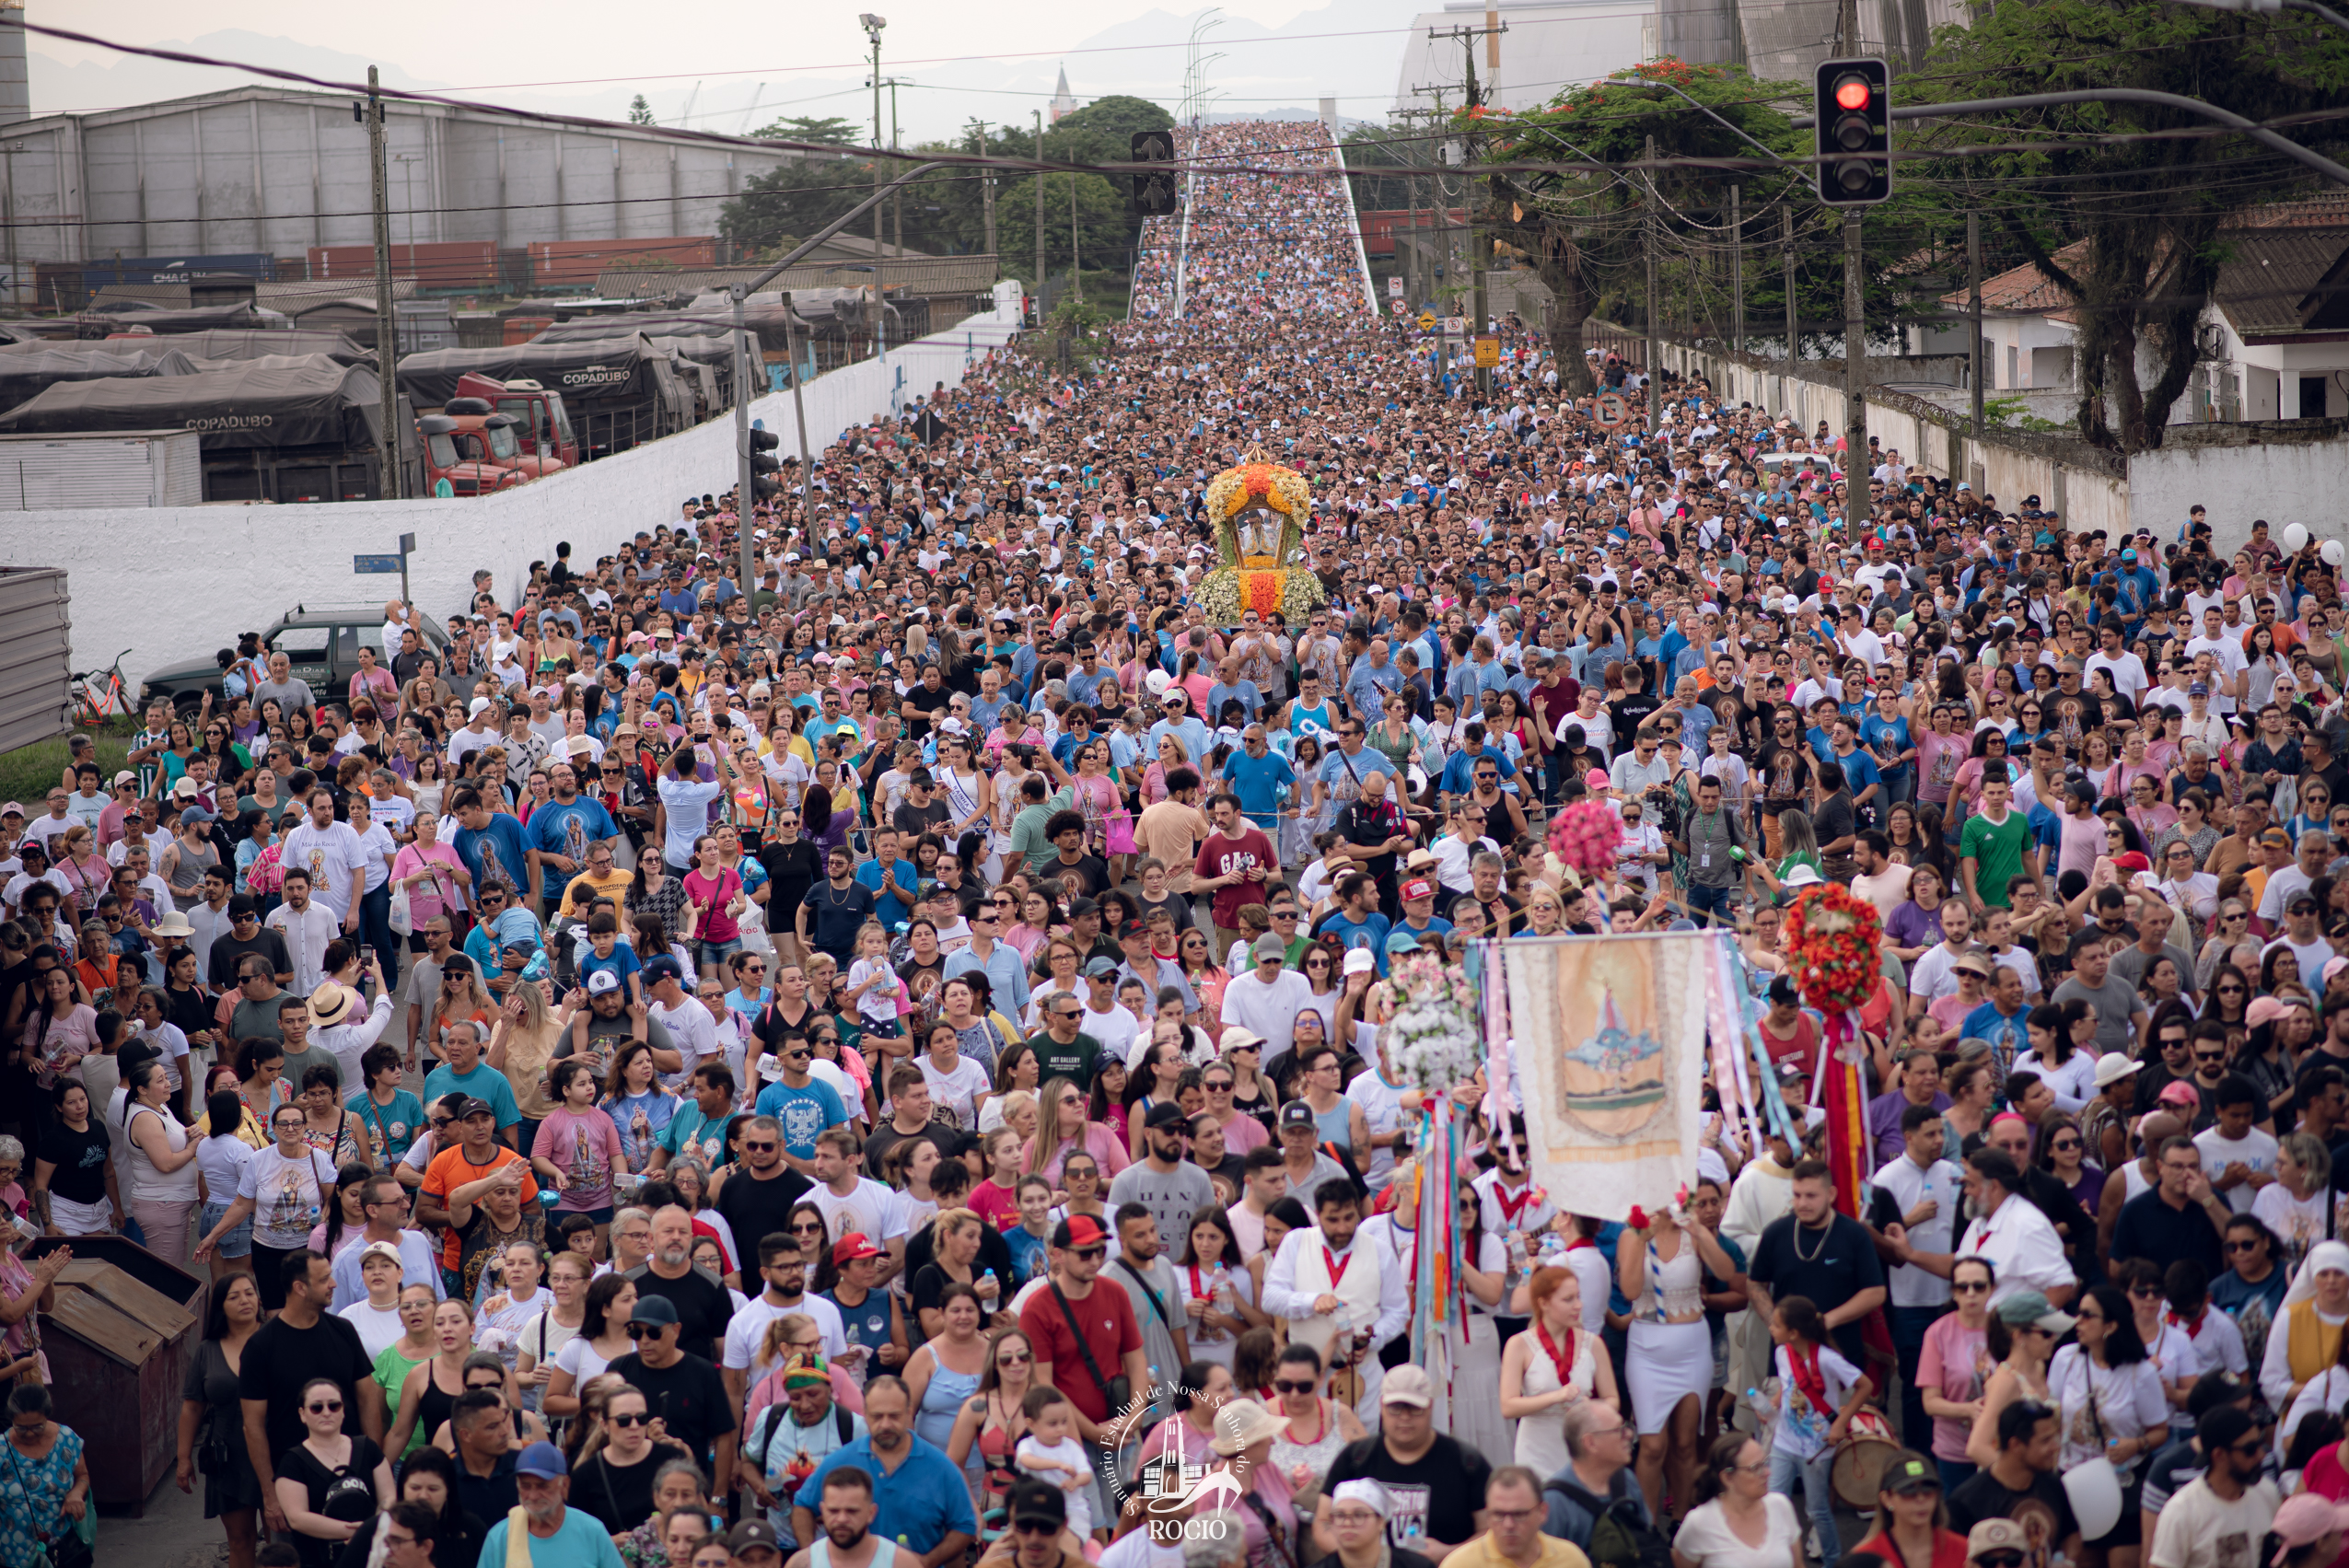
x: 1854, y: 132
x: 764, y: 463
x: 1154, y: 191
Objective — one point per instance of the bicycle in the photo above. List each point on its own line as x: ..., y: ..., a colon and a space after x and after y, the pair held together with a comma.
x: 104, y: 695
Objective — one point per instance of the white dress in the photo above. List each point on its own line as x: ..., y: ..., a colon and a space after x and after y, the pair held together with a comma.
x: 1667, y: 1362
x: 1476, y: 1370
x: 1541, y: 1439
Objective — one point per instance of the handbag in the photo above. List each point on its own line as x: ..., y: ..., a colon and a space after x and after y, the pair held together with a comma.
x: 1117, y: 1390
x: 402, y: 919
x: 1119, y: 828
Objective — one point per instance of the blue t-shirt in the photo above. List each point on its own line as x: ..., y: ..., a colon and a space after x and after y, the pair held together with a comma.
x: 1257, y: 781
x: 567, y: 831
x: 622, y: 963
x: 888, y: 907
x: 580, y: 1543
x: 499, y: 853
x: 1887, y: 738
x: 484, y: 1083
x: 1370, y: 934
x: 802, y: 1113
x: 393, y: 1127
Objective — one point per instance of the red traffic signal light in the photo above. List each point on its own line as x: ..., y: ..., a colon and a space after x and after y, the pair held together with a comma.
x: 1852, y: 92
x: 1851, y: 124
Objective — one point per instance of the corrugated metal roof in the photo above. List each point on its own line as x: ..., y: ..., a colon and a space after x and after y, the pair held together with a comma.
x: 2265, y: 286
x: 292, y: 296
x: 926, y: 275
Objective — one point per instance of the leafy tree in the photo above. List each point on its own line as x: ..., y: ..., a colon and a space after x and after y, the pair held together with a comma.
x: 796, y: 198
x: 639, y: 112
x: 832, y: 131
x: 2134, y: 230
x: 1104, y: 224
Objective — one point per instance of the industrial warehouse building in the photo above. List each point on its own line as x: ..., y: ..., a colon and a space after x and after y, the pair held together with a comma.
x: 265, y: 170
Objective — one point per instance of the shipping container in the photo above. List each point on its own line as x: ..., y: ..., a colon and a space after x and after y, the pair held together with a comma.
x: 136, y: 468
x: 1378, y: 225
x: 576, y: 263
x: 452, y: 265
x: 98, y: 275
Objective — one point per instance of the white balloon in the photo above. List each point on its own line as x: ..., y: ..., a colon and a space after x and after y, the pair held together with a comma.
x: 2330, y: 551
x: 2296, y: 538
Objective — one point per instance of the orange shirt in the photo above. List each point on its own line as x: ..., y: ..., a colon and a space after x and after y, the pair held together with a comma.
x: 450, y: 1169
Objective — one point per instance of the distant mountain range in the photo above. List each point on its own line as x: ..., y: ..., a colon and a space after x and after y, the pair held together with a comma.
x: 1281, y: 72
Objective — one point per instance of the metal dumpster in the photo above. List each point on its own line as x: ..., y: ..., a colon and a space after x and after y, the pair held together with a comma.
x: 125, y: 1327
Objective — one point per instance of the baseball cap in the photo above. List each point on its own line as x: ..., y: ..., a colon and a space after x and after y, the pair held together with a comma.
x: 1100, y: 969
x: 2277, y: 838
x: 1418, y: 888
x: 1359, y: 960
x: 126, y: 776
x: 382, y: 1250
x: 2029, y: 1309
x: 2304, y: 1518
x: 1270, y: 947
x: 1084, y: 1230
x: 477, y: 707
x: 1297, y: 1113
x: 544, y: 1460
x: 1037, y: 1502
x: 855, y: 1244
x: 1165, y: 1113
x: 1408, y: 1384
x: 1401, y: 942
x: 654, y: 1309
x: 752, y: 1534
x: 663, y: 966
x: 1909, y: 1474
x: 474, y: 1108
x: 1990, y: 1536
x: 601, y: 982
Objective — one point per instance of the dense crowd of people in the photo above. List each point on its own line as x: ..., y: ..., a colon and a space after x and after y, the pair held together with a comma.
x: 885, y: 1059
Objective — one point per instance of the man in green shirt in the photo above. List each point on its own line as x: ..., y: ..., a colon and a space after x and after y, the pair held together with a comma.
x: 1063, y: 1051
x: 1997, y: 843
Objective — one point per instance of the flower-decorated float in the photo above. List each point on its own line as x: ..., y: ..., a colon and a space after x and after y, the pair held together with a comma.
x: 1259, y: 512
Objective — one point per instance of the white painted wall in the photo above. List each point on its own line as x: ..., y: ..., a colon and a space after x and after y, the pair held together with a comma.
x: 2283, y: 483
x: 174, y: 584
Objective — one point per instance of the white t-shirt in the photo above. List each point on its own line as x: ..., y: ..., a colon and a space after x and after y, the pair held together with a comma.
x: 2129, y: 1402
x: 1802, y: 1429
x: 688, y: 804
x: 2254, y: 1150
x: 2200, y: 1529
x: 287, y: 1194
x: 746, y: 1330
x: 1705, y: 1540
x: 377, y: 1326
x: 869, y: 1208
x: 958, y: 1089
x: 579, y: 1357
x: 693, y: 1031
x: 2022, y: 1245
x: 329, y: 855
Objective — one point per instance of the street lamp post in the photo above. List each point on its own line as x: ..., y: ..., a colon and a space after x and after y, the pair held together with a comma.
x: 873, y: 26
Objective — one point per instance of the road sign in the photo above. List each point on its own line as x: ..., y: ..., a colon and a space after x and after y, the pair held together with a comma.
x: 1398, y: 307
x: 1614, y: 410
x: 1427, y: 319
x: 1394, y: 288
x: 1488, y: 352
x: 376, y: 562
x: 1456, y: 326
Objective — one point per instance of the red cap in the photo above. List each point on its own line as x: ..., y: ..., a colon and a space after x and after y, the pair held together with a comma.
x: 850, y: 1247
x: 1079, y: 1230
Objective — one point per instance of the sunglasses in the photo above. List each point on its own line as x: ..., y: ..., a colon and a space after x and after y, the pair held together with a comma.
x: 644, y: 1330
x: 632, y: 1418
x: 1971, y: 1287
x: 323, y: 1407
x: 1283, y: 1385
x: 1089, y: 1254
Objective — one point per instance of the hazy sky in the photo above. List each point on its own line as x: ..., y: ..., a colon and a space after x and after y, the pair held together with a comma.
x: 806, y: 59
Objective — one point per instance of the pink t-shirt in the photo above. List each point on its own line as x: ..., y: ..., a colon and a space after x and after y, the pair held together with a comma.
x: 585, y: 1146
x: 430, y: 899
x: 714, y: 894
x: 1955, y: 1360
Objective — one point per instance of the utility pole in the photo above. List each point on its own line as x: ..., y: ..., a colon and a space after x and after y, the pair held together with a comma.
x: 393, y: 486
x: 1039, y: 214
x: 1974, y: 366
x: 1847, y: 26
x: 1737, y: 275
x: 897, y: 202
x: 1479, y: 238
x: 1075, y: 263
x: 873, y: 26
x: 986, y: 182
x: 1655, y: 344
x: 1786, y: 248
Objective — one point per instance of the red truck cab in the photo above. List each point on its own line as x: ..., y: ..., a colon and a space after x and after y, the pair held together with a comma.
x: 462, y: 458
x: 542, y: 424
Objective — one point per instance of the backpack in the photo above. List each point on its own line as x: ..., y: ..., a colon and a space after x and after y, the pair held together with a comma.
x: 842, y: 1424
x: 1619, y: 1537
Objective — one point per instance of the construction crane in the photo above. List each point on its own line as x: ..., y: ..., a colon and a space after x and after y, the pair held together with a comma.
x: 687, y: 117
x: 747, y: 114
